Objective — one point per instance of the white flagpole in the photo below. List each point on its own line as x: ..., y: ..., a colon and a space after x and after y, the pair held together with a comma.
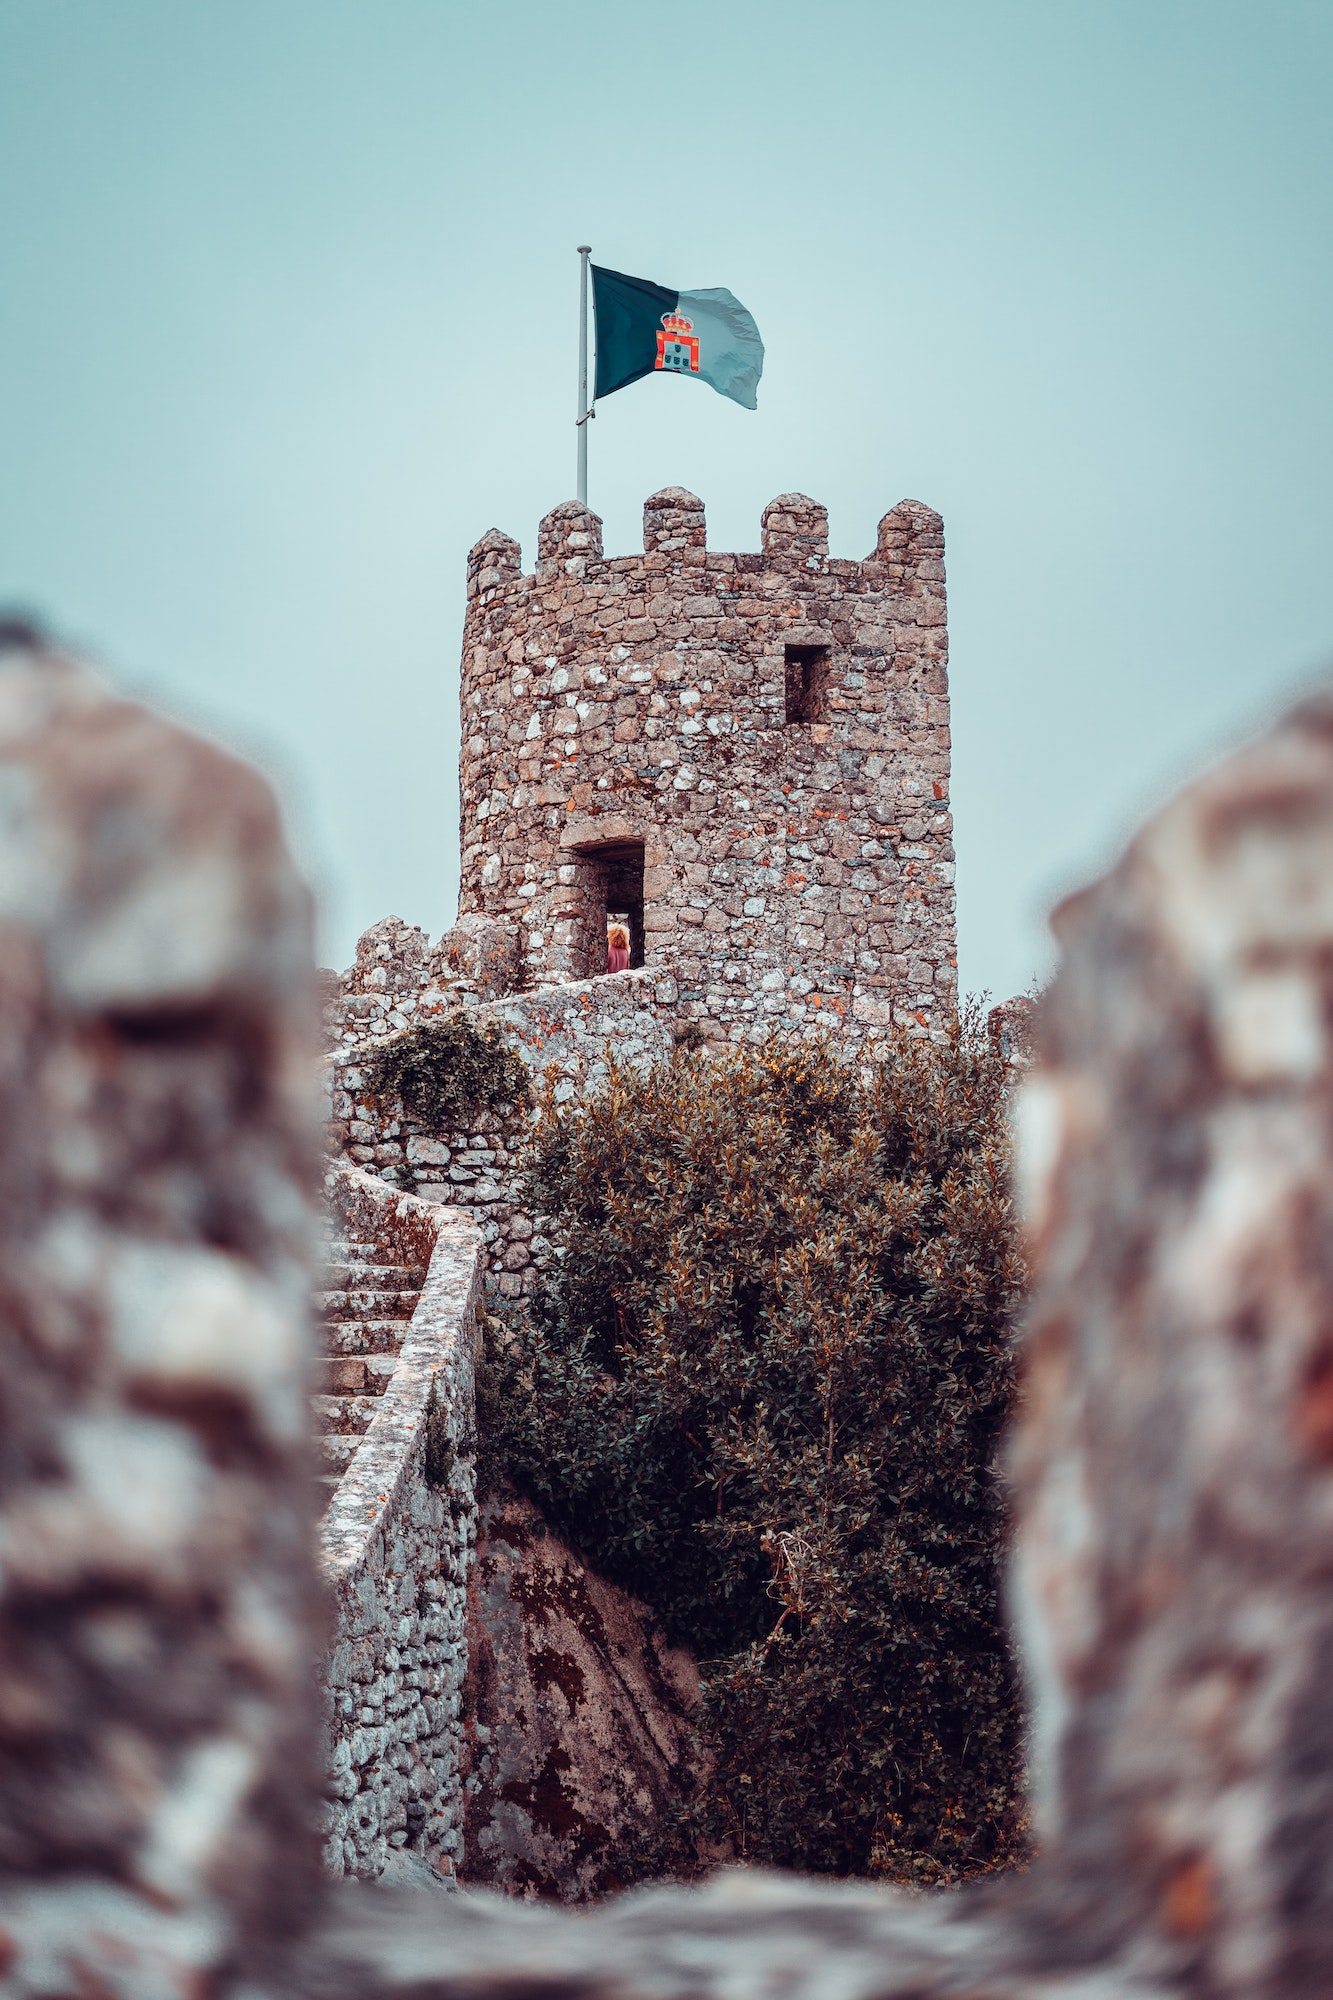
x: 585, y: 251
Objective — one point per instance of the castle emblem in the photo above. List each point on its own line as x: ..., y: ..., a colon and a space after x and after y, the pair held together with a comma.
x: 678, y: 344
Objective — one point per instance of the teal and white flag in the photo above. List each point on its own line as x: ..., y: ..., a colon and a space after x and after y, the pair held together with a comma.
x: 644, y: 329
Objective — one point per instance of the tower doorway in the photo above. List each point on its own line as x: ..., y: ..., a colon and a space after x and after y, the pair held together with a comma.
x: 608, y: 893
x: 623, y: 866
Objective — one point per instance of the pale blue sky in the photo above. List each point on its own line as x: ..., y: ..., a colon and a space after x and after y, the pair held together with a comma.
x: 287, y: 320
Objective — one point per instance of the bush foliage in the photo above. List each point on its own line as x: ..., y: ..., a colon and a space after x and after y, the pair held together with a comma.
x: 763, y: 1389
x: 444, y: 1070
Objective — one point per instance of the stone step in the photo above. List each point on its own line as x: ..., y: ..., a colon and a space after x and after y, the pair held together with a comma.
x: 348, y: 1415
x: 364, y: 1335
x: 353, y: 1275
x: 364, y: 1304
x: 348, y: 1302
x: 355, y: 1374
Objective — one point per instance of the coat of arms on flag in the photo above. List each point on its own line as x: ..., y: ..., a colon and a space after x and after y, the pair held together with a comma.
x: 678, y: 343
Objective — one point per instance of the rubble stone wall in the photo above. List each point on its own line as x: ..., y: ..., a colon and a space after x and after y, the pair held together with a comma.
x: 397, y: 973
x: 1171, y: 1478
x: 395, y: 1549
x: 158, y: 1166
x: 635, y: 710
x: 565, y: 1034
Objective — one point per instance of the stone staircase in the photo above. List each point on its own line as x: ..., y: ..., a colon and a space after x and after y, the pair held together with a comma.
x: 363, y: 1313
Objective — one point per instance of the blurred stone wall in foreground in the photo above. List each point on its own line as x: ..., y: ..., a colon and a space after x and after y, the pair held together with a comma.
x: 160, y: 1617
x: 1172, y: 1472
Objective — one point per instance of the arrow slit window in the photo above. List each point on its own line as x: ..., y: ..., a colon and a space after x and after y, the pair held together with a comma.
x: 807, y: 683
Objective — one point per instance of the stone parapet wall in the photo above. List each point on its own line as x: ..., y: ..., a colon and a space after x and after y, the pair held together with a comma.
x: 565, y: 1035
x: 765, y: 737
x: 571, y: 1033
x: 378, y: 993
x: 1171, y: 1476
x: 396, y: 976
x: 159, y: 1615
x: 395, y: 1550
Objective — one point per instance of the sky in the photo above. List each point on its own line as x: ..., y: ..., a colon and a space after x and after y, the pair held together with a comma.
x: 288, y: 314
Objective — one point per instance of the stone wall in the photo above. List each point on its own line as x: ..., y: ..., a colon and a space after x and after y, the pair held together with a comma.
x: 564, y: 1034
x: 759, y: 742
x: 379, y: 992
x: 1172, y: 1481
x: 396, y: 975
x: 395, y: 1548
x: 159, y: 1613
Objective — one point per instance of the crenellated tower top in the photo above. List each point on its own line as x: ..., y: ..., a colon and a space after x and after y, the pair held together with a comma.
x: 744, y: 757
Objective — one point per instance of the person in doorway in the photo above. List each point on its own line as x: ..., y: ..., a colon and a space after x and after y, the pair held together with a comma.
x: 617, y: 949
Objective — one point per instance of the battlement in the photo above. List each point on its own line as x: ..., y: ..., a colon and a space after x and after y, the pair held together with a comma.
x: 909, y: 550
x: 742, y: 756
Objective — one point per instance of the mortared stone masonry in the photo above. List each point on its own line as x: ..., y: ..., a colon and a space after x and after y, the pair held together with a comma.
x: 746, y: 756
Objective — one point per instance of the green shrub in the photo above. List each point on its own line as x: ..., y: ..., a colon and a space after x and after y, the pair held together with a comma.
x: 762, y: 1389
x: 444, y: 1070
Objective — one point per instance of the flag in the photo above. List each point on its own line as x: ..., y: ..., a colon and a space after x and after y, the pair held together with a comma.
x: 643, y: 328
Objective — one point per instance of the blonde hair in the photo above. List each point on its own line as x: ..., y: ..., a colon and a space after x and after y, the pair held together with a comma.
x: 618, y: 938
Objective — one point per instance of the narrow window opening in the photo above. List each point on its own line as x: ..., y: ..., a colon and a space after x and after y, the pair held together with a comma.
x: 807, y: 682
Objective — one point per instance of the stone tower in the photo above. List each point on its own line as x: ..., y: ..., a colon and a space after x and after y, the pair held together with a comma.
x: 745, y: 757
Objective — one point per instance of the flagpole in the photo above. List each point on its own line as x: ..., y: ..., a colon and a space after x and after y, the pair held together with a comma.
x: 585, y: 251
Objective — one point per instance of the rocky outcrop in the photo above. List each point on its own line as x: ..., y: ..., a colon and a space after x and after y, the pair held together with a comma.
x: 583, y: 1745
